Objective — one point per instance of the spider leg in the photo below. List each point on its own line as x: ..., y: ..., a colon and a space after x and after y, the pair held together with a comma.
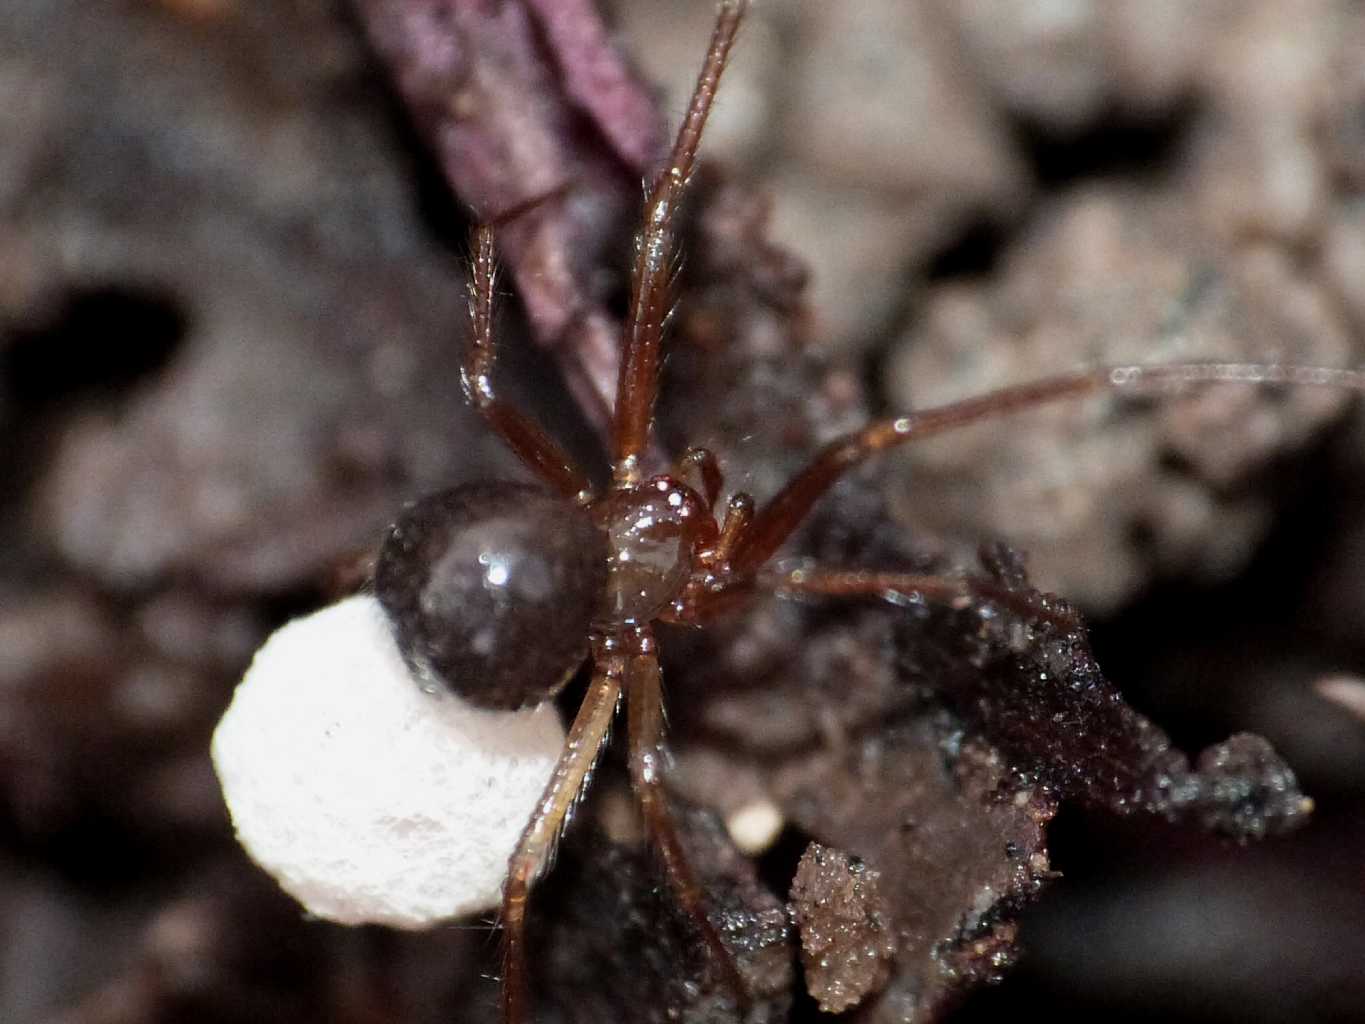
x: 776, y: 521
x: 849, y: 583
x: 655, y: 249
x: 535, y: 848
x: 527, y: 440
x: 645, y: 723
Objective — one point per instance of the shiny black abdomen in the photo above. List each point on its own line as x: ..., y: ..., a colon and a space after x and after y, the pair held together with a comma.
x: 491, y: 589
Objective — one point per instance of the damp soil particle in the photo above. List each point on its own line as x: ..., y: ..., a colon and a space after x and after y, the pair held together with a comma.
x: 846, y: 935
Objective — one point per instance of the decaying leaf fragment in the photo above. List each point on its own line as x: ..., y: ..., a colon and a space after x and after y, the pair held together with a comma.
x: 1038, y: 694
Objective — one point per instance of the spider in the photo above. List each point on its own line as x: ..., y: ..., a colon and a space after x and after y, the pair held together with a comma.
x: 501, y: 591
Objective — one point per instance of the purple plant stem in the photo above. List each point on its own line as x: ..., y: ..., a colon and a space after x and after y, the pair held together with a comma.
x: 541, y: 128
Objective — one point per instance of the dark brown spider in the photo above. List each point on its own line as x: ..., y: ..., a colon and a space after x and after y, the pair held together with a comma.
x: 501, y: 590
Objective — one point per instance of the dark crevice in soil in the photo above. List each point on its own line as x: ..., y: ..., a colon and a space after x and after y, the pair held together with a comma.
x: 1118, y: 142
x: 973, y: 253
x: 97, y: 342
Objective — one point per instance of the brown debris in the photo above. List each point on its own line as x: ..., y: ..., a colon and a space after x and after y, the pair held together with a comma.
x: 846, y: 938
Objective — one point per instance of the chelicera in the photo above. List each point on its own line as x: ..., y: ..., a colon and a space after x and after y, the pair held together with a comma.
x: 500, y: 591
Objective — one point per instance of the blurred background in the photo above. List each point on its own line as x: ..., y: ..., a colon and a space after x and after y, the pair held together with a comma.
x: 231, y: 303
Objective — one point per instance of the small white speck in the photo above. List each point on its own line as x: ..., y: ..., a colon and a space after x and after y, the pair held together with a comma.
x: 755, y: 826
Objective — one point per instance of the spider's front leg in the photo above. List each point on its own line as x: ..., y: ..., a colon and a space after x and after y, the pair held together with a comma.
x: 535, y: 848
x: 645, y: 723
x: 655, y: 253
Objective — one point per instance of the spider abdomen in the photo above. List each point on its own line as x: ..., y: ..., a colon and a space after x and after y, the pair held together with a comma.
x: 491, y: 589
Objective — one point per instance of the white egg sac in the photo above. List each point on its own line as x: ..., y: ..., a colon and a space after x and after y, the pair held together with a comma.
x: 369, y: 800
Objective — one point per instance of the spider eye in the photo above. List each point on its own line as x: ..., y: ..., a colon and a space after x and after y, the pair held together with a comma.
x: 491, y: 589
